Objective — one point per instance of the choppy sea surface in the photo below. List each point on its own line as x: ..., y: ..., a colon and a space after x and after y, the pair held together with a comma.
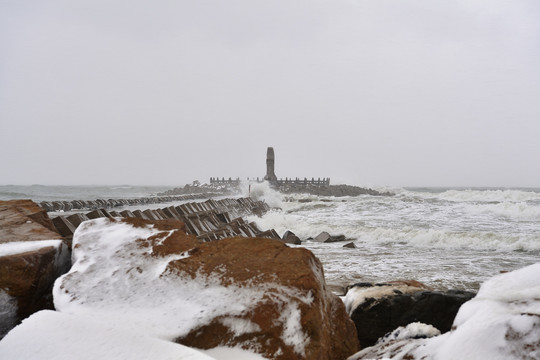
x: 40, y: 193
x: 446, y: 238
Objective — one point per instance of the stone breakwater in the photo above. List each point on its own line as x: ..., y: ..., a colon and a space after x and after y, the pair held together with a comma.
x: 149, y: 280
x: 209, y: 220
x: 73, y: 205
x: 330, y: 190
x: 284, y: 186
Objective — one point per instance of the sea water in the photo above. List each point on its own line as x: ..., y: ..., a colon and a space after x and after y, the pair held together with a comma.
x: 445, y: 238
x: 40, y: 193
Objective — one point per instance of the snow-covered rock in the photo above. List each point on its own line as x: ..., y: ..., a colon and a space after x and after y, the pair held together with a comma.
x: 152, y: 279
x: 32, y: 256
x: 377, y: 309
x: 501, y: 323
x: 28, y: 270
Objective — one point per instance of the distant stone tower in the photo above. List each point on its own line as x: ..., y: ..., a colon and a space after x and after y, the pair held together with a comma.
x: 270, y: 175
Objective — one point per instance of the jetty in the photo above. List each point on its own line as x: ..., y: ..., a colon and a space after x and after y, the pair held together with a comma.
x: 314, y: 186
x: 271, y: 177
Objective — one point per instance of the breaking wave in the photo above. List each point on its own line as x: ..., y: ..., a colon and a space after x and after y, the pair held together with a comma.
x: 489, y: 195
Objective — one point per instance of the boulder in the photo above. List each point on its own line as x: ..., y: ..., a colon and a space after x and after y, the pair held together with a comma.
x: 290, y: 238
x: 32, y: 256
x: 502, y: 322
x: 350, y: 245
x: 325, y: 237
x: 24, y: 220
x: 377, y: 309
x: 253, y: 293
x: 27, y: 273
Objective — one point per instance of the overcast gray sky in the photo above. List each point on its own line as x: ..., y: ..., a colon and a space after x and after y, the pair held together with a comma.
x: 398, y: 93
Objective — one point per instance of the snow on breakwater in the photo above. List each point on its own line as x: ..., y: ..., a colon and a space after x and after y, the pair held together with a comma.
x: 427, y: 234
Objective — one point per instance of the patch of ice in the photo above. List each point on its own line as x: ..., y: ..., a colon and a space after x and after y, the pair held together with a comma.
x: 19, y: 247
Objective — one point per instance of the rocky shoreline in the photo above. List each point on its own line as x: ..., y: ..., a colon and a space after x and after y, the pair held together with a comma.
x: 198, y: 276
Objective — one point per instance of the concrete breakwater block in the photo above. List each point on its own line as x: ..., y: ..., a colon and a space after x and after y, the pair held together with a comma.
x: 98, y: 213
x: 210, y: 220
x: 127, y: 213
x: 77, y: 219
x: 64, y: 226
x: 140, y: 215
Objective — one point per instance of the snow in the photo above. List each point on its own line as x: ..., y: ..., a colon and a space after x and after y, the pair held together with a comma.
x: 54, y: 335
x: 19, y: 247
x: 501, y: 323
x: 414, y: 330
x: 226, y: 353
x: 118, y: 281
x: 356, y: 295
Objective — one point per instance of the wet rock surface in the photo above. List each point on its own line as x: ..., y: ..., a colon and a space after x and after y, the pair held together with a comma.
x: 325, y: 237
x: 501, y: 322
x: 378, y: 309
x: 290, y: 238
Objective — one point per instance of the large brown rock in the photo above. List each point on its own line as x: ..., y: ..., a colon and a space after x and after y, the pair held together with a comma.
x: 253, y: 293
x: 28, y: 276
x: 24, y: 220
x: 32, y: 256
x: 324, y: 329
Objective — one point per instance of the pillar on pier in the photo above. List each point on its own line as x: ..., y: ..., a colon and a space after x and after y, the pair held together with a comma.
x: 270, y: 175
